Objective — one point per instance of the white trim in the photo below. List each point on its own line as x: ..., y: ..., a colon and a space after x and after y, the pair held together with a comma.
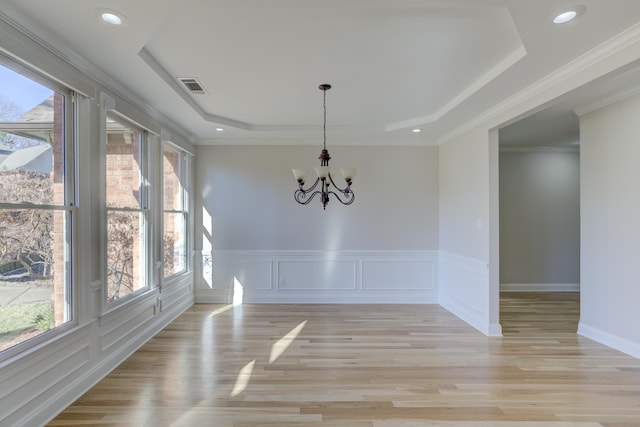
x: 605, y: 102
x: 494, y: 330
x: 540, y: 287
x: 568, y: 72
x: 506, y: 63
x: 569, y: 149
x: 399, y: 277
x: 464, y: 312
x: 288, y: 139
x: 404, y: 255
x: 458, y: 277
x: 621, y: 344
x: 332, y: 296
x: 21, y: 45
x: 471, y: 264
x: 182, y: 93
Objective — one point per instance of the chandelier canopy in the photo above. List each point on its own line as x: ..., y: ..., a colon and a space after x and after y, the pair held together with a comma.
x: 324, y: 181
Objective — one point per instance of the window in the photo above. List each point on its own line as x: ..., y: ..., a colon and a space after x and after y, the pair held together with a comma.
x: 37, y: 199
x: 127, y: 214
x: 175, y: 216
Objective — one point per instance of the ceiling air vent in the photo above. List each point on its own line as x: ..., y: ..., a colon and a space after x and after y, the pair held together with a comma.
x: 192, y: 85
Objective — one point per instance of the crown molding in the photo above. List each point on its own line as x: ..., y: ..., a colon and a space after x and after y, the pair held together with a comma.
x: 291, y: 141
x: 569, y: 149
x: 605, y: 102
x: 486, y: 78
x: 516, y: 104
x: 172, y: 82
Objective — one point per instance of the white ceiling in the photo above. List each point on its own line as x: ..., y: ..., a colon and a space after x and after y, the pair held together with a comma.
x: 394, y: 64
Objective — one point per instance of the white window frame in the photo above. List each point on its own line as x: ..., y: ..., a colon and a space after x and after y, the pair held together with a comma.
x: 184, y: 178
x: 69, y: 206
x: 109, y: 110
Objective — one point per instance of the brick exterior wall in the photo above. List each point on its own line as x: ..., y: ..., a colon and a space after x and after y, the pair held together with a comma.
x: 59, y: 294
x: 123, y: 190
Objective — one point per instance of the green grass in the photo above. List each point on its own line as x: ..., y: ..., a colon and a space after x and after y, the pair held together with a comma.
x: 15, y: 318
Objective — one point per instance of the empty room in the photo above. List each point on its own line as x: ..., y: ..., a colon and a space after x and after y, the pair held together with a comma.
x: 353, y: 213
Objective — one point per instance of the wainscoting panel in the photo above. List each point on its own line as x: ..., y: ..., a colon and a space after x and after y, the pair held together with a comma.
x: 323, y: 277
x: 316, y: 275
x: 173, y: 294
x: 393, y: 275
x: 125, y: 322
x: 27, y: 385
x: 250, y: 272
x: 464, y: 290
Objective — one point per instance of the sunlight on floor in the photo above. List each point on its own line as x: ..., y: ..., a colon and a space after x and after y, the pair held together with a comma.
x: 221, y: 310
x: 243, y: 379
x: 283, y: 343
x: 236, y: 299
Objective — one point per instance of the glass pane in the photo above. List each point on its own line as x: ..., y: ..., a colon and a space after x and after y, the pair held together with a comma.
x: 124, y: 169
x: 125, y: 253
x: 31, y: 141
x: 34, y: 284
x: 175, y: 256
x: 171, y: 184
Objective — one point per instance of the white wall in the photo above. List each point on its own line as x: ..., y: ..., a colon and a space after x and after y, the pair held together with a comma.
x: 463, y: 277
x: 464, y: 193
x: 383, y: 243
x: 610, y: 207
x: 540, y: 220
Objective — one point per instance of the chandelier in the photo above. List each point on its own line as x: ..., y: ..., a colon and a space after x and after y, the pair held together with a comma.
x: 324, y: 184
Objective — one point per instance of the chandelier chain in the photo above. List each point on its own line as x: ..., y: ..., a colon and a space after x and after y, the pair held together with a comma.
x: 324, y: 126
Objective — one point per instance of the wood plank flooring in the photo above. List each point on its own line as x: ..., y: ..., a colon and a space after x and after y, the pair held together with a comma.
x: 368, y: 366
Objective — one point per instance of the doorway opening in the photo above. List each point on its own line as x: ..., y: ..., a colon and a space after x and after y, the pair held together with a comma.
x: 539, y: 211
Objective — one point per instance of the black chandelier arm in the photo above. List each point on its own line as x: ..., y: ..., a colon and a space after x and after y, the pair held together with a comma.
x: 342, y: 190
x: 350, y: 196
x: 300, y: 196
x: 310, y: 189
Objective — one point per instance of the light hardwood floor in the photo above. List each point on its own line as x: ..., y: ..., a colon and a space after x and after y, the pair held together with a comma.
x: 368, y: 366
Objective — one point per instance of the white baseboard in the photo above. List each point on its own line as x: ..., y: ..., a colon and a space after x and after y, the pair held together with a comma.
x: 628, y: 347
x: 465, y: 313
x: 540, y: 287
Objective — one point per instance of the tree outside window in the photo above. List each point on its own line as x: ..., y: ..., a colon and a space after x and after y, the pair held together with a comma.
x: 35, y: 211
x: 126, y: 199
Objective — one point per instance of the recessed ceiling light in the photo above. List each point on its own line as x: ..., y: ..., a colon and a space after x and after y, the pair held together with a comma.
x: 569, y: 14
x: 565, y: 17
x: 416, y: 130
x: 112, y: 17
x: 219, y: 129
